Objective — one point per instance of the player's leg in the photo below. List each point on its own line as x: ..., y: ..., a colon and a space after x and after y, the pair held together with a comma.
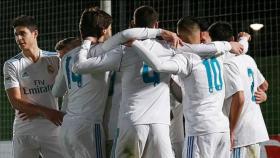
x: 83, y: 139
x: 250, y: 151
x: 50, y: 147
x: 131, y: 141
x: 177, y: 130
x: 158, y: 142
x: 191, y: 149
x: 210, y: 145
x: 99, y: 141
x: 25, y: 147
x: 222, y: 145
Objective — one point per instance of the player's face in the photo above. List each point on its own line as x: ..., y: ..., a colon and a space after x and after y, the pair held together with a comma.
x: 205, y: 37
x: 25, y: 38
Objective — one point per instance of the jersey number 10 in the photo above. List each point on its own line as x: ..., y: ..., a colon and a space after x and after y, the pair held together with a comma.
x: 72, y: 77
x: 212, y: 66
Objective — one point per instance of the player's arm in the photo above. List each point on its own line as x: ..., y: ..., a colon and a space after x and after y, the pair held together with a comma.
x: 32, y: 110
x: 243, y: 39
x: 176, y: 90
x: 12, y: 88
x: 59, y: 88
x: 178, y: 64
x: 260, y: 94
x: 235, y: 90
x: 169, y: 66
x: 236, y: 107
x: 104, y: 62
x: 139, y: 33
x: 211, y: 49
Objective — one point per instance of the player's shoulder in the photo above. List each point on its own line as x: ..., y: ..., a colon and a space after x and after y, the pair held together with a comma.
x: 14, y: 59
x: 49, y: 54
x: 71, y: 53
x: 163, y: 43
x: 234, y: 60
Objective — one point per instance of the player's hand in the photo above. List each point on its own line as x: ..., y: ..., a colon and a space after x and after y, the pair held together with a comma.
x: 129, y: 43
x: 236, y: 48
x: 231, y: 140
x: 92, y: 39
x: 260, y: 96
x: 55, y: 116
x: 172, y: 38
x: 244, y: 34
x: 24, y: 116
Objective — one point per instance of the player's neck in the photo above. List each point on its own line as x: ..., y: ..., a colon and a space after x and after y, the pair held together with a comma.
x: 101, y: 39
x: 32, y: 53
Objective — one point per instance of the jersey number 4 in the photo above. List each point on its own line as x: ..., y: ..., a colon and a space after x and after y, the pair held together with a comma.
x: 72, y: 77
x: 213, y: 71
x: 147, y: 77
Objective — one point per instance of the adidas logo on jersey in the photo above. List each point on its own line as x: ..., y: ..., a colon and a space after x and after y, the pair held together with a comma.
x: 8, y: 78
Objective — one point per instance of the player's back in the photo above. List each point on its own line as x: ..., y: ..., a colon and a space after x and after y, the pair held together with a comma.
x: 87, y: 93
x: 204, y: 96
x: 251, y: 127
x: 145, y: 93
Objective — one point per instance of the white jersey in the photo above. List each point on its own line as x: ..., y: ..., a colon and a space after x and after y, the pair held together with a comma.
x: 112, y: 106
x: 241, y: 74
x: 204, y: 89
x: 35, y: 81
x: 86, y: 93
x: 204, y: 93
x: 145, y: 93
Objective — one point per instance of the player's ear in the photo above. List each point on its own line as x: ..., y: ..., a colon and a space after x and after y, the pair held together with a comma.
x: 231, y: 38
x: 156, y: 25
x: 104, y: 31
x: 35, y: 33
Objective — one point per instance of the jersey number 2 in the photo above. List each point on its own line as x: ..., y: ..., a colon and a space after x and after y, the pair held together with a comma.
x: 72, y: 77
x: 147, y: 78
x: 251, y: 74
x: 212, y: 66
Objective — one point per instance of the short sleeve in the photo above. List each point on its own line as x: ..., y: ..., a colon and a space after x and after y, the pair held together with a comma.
x: 233, y: 80
x: 10, y: 76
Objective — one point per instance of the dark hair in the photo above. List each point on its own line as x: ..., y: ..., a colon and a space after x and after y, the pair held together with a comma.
x: 63, y: 43
x: 145, y: 16
x: 188, y: 24
x: 220, y: 31
x: 25, y: 20
x: 93, y: 21
x: 203, y: 24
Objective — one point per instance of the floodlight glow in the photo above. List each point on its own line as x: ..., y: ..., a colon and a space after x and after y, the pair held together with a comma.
x: 256, y: 26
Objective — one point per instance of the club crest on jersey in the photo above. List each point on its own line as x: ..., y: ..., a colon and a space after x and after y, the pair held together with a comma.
x: 50, y: 69
x: 25, y: 75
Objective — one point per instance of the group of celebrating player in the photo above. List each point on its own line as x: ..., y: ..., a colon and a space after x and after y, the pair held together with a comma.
x: 124, y: 83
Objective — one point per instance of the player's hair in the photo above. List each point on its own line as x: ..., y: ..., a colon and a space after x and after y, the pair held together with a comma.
x: 65, y: 42
x: 26, y: 21
x: 188, y: 25
x: 203, y: 24
x: 93, y: 21
x: 220, y: 31
x: 145, y: 16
